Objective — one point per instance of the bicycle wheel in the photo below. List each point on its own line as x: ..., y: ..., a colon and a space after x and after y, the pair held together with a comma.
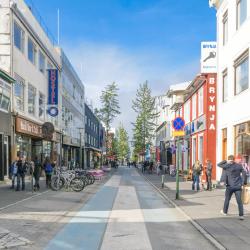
x: 77, y: 184
x: 57, y: 183
x: 92, y: 178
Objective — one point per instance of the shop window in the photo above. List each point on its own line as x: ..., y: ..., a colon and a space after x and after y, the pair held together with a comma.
x: 241, y: 12
x: 31, y: 99
x: 201, y: 149
x: 41, y: 105
x: 225, y: 86
x: 18, y: 37
x: 41, y: 62
x: 19, y: 92
x: 31, y: 51
x: 241, y: 73
x: 242, y: 139
x: 200, y: 101
x: 225, y: 28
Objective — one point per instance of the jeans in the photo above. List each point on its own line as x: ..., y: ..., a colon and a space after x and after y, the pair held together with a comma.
x: 228, y: 194
x: 14, y: 176
x: 209, y: 182
x: 37, y: 178
x: 20, y: 177
x: 48, y: 180
x: 196, y: 182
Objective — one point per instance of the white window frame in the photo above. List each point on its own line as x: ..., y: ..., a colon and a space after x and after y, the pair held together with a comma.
x: 194, y: 106
x: 239, y: 22
x: 30, y: 86
x: 22, y: 38
x: 194, y: 149
x: 225, y: 28
x: 201, y: 151
x: 201, y: 101
x: 187, y: 112
x: 32, y: 60
x: 225, y: 84
x: 20, y: 81
x: 42, y: 66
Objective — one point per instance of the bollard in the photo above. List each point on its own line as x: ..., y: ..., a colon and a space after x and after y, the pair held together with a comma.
x: 162, y: 180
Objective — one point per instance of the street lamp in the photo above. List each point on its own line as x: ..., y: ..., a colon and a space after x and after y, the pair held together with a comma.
x: 80, y: 132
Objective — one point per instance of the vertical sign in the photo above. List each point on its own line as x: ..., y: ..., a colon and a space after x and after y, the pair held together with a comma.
x: 208, y: 57
x: 53, y: 87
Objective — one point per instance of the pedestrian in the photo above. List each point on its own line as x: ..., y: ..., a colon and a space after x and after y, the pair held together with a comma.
x: 37, y: 173
x: 208, y: 171
x: 48, y: 171
x: 151, y: 167
x: 21, y: 171
x: 13, y: 173
x: 197, y: 169
x: 246, y: 168
x: 234, y: 177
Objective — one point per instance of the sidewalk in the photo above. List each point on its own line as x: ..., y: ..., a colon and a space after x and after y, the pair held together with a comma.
x: 204, y: 208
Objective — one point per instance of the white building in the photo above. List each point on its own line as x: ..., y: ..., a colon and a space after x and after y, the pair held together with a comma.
x: 26, y: 52
x: 233, y: 94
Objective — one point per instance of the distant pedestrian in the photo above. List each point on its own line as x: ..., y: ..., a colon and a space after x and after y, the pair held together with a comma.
x: 234, y: 177
x: 48, y: 171
x: 21, y: 171
x: 13, y: 173
x: 37, y: 173
x: 208, y: 171
x: 197, y: 169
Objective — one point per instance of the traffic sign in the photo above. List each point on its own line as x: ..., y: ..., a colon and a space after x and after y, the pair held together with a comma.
x: 178, y: 133
x: 178, y: 123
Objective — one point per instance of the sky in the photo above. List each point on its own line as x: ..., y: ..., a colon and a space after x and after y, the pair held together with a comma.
x: 129, y: 42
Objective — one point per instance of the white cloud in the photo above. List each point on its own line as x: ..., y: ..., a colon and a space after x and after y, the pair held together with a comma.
x: 104, y: 64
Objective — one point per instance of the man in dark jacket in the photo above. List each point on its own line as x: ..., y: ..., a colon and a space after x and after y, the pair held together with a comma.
x: 21, y: 170
x: 233, y: 176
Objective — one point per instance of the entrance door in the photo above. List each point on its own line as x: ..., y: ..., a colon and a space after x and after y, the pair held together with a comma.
x: 6, y: 155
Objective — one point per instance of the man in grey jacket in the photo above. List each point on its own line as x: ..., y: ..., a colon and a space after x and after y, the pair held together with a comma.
x: 234, y: 177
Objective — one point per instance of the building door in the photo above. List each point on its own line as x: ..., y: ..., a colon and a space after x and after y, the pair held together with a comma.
x: 224, y: 144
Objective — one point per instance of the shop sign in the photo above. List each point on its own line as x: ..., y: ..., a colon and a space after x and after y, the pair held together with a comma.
x: 198, y: 124
x: 211, y: 103
x: 27, y: 127
x: 208, y: 57
x: 53, y: 87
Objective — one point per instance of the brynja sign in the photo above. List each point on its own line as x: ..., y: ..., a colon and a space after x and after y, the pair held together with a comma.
x: 211, y: 103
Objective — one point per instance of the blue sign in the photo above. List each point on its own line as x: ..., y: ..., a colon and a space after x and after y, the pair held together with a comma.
x: 52, y: 86
x: 178, y: 123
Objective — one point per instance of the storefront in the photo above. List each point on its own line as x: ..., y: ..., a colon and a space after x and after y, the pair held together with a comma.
x: 5, y: 123
x: 29, y: 141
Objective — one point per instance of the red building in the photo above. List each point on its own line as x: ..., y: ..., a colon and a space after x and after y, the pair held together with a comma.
x: 199, y: 113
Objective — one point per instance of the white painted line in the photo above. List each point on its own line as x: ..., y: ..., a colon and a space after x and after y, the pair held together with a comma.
x: 26, y: 199
x: 207, y: 235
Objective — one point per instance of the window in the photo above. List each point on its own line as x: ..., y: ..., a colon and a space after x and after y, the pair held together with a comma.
x: 18, y: 37
x: 200, y: 101
x: 225, y: 86
x: 194, y: 107
x: 19, y: 93
x: 31, y: 51
x: 224, y: 144
x: 5, y: 92
x: 42, y: 105
x: 187, y: 111
x: 31, y: 99
x: 200, y: 156
x: 193, y: 150
x: 242, y: 140
x: 41, y: 62
x: 241, y: 73
x: 241, y: 12
x: 225, y: 28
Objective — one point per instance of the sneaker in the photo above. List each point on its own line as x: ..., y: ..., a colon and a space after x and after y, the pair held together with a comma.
x: 241, y: 217
x: 222, y: 212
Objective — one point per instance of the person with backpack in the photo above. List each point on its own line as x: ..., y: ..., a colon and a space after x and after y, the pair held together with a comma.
x: 197, y: 169
x: 37, y: 173
x: 48, y: 171
x: 21, y: 171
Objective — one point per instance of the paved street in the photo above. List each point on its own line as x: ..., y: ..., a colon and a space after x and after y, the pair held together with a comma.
x: 127, y: 213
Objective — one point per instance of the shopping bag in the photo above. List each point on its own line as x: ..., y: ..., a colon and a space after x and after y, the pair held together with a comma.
x: 245, y: 197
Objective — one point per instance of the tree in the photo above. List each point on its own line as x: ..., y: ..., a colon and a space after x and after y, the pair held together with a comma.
x: 109, y: 107
x: 123, y: 143
x: 144, y: 126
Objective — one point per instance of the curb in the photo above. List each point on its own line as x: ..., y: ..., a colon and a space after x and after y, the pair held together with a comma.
x: 207, y: 235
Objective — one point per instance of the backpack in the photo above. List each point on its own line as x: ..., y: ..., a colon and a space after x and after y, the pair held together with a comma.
x: 48, y: 168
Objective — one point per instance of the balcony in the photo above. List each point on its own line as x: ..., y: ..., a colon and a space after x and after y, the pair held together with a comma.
x: 177, y: 101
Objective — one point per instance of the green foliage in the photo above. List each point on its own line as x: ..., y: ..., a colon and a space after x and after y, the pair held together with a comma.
x: 144, y: 126
x: 123, y: 143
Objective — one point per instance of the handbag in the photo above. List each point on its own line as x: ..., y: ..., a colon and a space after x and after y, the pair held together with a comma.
x: 245, y: 197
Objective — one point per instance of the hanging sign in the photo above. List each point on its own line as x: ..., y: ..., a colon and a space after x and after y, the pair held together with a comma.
x: 53, y: 87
